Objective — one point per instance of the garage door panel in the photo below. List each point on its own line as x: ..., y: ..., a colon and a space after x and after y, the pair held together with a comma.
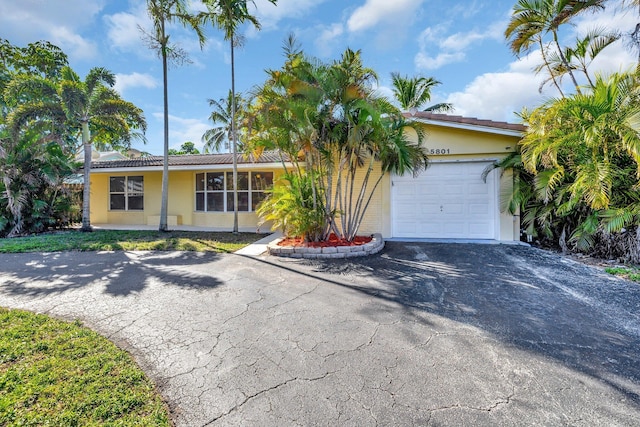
x: 429, y: 208
x: 406, y: 191
x: 478, y: 208
x: 479, y: 189
x: 453, y: 208
x: 449, y: 200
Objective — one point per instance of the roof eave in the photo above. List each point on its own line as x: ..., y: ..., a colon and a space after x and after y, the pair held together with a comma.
x: 226, y: 166
x: 471, y: 127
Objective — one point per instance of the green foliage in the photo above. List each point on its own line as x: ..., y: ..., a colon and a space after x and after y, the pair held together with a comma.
x: 577, y: 173
x: 630, y: 273
x: 33, y: 197
x: 129, y: 240
x: 216, y: 138
x: 412, y: 93
x: 68, y: 107
x: 186, y: 148
x: 59, y: 373
x: 292, y: 207
x: 328, y: 121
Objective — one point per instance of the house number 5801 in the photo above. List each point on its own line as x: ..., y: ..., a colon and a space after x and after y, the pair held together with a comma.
x: 439, y: 151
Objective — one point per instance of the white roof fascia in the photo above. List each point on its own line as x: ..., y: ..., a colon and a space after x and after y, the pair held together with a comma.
x: 244, y: 166
x: 467, y: 126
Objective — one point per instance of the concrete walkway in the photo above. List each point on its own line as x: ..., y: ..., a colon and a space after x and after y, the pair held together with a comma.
x: 421, y: 334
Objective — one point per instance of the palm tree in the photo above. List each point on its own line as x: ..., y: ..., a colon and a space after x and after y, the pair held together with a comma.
x: 215, y: 137
x: 584, y: 153
x: 340, y: 137
x: 579, y: 56
x: 412, y: 93
x: 531, y: 20
x: 162, y: 13
x: 228, y: 15
x: 91, y: 107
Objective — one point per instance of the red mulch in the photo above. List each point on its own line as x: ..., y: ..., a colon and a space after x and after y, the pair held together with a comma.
x: 333, y: 241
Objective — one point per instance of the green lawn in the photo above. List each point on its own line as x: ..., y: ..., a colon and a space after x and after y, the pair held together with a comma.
x: 629, y: 273
x: 57, y: 373
x: 129, y: 240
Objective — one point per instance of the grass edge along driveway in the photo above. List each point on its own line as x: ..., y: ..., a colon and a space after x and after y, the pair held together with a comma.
x: 129, y: 240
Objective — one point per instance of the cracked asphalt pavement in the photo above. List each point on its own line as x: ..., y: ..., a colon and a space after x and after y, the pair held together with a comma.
x: 420, y: 334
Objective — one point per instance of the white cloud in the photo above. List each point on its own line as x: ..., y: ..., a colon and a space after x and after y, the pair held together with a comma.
x: 123, y: 32
x: 451, y: 48
x: 270, y: 15
x: 461, y: 41
x: 182, y: 130
x: 125, y: 35
x: 59, y: 22
x: 125, y: 81
x: 425, y: 62
x: 497, y: 96
x: 73, y: 44
x: 376, y: 12
x: 327, y: 38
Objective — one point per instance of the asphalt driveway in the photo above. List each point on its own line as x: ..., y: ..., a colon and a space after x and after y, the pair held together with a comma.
x: 420, y: 334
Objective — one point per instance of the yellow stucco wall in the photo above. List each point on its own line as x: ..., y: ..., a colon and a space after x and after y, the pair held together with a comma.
x: 181, y: 202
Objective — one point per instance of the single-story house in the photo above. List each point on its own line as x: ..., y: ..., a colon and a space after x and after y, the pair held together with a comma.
x: 448, y: 200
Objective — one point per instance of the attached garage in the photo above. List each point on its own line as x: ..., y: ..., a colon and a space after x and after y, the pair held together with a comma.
x: 448, y: 200
x: 451, y: 200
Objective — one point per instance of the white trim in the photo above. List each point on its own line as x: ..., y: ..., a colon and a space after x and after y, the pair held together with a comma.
x: 241, y: 166
x: 468, y: 126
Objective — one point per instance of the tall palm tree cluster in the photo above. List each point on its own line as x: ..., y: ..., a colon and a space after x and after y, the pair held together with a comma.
x: 226, y: 15
x: 341, y: 137
x: 578, y: 167
x: 46, y: 109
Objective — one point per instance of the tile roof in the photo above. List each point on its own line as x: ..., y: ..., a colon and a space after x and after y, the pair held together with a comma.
x: 187, y: 160
x: 468, y: 121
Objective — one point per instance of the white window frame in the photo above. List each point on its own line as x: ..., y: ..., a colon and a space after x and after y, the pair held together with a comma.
x: 126, y: 193
x: 227, y: 191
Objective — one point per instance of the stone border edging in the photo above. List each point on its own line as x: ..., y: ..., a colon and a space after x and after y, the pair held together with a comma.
x: 373, y: 247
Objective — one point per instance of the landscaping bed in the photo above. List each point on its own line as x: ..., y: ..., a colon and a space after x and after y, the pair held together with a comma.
x: 292, y: 248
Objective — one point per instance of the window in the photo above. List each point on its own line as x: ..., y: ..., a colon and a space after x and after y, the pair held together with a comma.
x: 126, y: 193
x: 214, y: 190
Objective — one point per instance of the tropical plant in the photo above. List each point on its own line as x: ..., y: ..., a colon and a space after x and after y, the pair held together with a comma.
x: 33, y: 196
x: 90, y: 108
x: 186, y: 148
x: 228, y: 15
x: 340, y: 137
x: 583, y: 152
x: 532, y: 20
x: 579, y: 56
x: 34, y: 163
x: 414, y: 92
x: 293, y: 207
x: 215, y: 138
x: 162, y: 14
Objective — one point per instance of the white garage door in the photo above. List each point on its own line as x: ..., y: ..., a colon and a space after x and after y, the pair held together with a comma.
x: 448, y: 200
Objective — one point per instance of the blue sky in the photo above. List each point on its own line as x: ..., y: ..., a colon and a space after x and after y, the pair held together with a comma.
x: 460, y: 43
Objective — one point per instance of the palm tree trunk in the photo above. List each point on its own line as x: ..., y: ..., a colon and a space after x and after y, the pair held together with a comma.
x: 233, y: 141
x: 165, y: 158
x: 546, y: 63
x: 86, y: 190
x: 566, y: 63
